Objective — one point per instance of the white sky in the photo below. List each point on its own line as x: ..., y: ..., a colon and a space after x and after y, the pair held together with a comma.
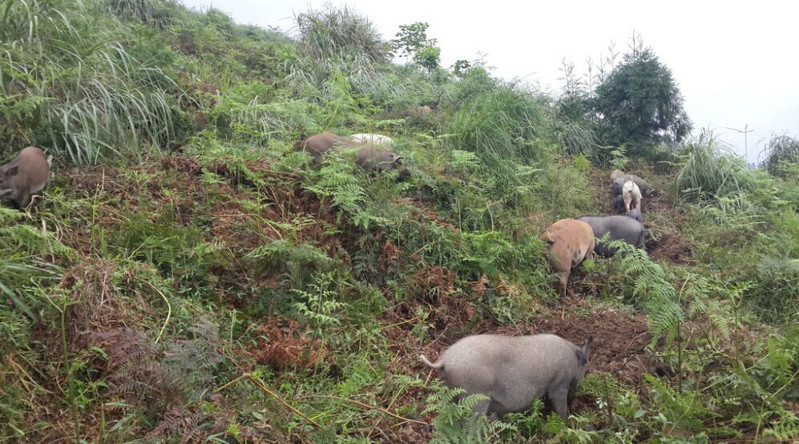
x: 736, y: 63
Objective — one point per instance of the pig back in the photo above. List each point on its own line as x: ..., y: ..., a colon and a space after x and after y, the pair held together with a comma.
x: 618, y: 182
x: 571, y: 240
x: 617, y: 227
x: 319, y: 144
x: 27, y: 174
x: 33, y: 163
x: 511, y: 370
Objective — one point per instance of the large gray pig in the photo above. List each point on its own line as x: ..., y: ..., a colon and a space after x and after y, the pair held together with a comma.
x: 626, y: 228
x: 514, y: 370
x: 26, y: 175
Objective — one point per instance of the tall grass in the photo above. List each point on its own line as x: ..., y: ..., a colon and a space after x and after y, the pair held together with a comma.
x: 710, y: 170
x: 504, y: 124
x: 70, y: 86
x: 335, y: 31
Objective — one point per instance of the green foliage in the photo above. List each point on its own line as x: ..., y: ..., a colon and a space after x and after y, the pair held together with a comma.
x: 157, y: 13
x: 709, y: 170
x: 297, y: 263
x: 337, y: 182
x: 776, y: 291
x: 177, y: 251
x: 502, y: 124
x: 319, y: 305
x: 785, y: 428
x: 639, y: 102
x: 456, y: 423
x: 339, y: 32
x: 677, y: 412
x: 413, y: 42
x: 648, y: 286
x: 780, y: 153
x: 251, y: 112
x: 71, y: 87
x: 567, y: 191
x: 428, y: 57
x: 411, y: 38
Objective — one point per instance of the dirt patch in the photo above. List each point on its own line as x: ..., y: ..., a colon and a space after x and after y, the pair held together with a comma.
x: 673, y: 247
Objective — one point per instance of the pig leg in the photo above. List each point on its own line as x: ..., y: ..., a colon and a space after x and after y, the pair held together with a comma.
x: 558, y: 397
x: 24, y: 199
x: 564, y: 278
x: 482, y: 406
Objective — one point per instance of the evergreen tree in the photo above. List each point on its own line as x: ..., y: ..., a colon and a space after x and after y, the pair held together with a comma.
x: 639, y: 103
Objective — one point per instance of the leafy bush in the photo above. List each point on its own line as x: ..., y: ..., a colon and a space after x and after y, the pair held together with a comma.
x: 639, y: 102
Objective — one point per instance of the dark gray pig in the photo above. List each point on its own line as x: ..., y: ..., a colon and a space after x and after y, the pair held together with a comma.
x: 625, y: 228
x: 635, y: 213
x: 514, y: 370
x: 618, y: 205
x: 26, y: 175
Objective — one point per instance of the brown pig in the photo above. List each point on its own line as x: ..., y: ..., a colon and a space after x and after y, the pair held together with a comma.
x: 26, y: 175
x: 571, y: 241
x: 319, y: 144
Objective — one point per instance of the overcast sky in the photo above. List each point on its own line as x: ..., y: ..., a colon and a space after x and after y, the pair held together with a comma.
x: 735, y: 62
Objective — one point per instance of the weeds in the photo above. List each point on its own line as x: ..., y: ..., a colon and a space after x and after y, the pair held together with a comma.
x: 236, y: 291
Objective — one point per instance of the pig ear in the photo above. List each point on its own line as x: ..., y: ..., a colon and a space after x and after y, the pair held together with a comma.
x: 585, y: 351
x: 12, y: 171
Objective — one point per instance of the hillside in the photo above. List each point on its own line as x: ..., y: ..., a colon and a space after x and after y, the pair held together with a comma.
x: 190, y: 275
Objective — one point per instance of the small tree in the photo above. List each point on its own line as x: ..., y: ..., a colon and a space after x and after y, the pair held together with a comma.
x: 413, y: 42
x: 639, y: 102
x: 461, y: 67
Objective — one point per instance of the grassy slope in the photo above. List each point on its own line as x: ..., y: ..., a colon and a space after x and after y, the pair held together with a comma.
x: 231, y: 289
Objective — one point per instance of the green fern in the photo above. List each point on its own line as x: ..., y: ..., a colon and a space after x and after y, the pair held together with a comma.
x: 652, y: 291
x: 785, y: 428
x: 677, y: 411
x: 457, y: 423
x: 296, y: 262
x: 319, y: 306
